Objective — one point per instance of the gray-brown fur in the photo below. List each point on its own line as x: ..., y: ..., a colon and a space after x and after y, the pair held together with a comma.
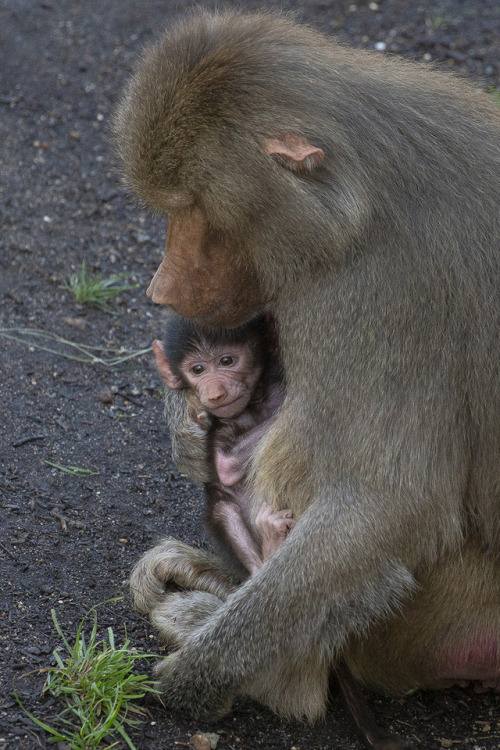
x: 382, y: 268
x: 189, y: 444
x: 177, y: 565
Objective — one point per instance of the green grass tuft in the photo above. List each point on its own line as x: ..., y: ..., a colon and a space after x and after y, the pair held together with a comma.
x: 75, y: 471
x: 92, y: 289
x: 96, y: 682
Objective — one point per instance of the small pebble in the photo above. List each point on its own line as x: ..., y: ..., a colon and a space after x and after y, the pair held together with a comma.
x: 199, y: 742
x: 106, y: 396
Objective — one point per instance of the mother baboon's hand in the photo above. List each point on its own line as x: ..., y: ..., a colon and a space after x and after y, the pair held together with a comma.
x: 187, y: 689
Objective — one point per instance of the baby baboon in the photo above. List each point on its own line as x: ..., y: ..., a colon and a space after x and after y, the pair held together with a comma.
x: 233, y: 383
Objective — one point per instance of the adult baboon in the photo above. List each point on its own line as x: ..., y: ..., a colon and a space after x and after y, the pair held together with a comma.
x: 357, y: 197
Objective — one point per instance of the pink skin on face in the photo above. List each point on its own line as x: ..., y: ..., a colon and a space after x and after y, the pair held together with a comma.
x: 223, y: 377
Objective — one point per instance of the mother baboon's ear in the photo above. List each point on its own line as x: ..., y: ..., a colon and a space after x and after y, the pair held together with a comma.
x: 294, y: 152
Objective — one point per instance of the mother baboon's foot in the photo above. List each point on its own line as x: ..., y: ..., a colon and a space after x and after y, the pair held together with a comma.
x: 173, y: 565
x: 180, y: 614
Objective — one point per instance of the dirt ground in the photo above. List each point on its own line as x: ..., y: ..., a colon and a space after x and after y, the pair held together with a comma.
x: 68, y: 542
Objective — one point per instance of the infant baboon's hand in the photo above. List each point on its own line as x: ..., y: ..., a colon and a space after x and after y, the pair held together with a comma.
x: 204, y: 419
x: 273, y: 527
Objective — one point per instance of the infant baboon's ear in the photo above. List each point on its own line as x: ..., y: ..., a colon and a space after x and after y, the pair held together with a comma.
x: 162, y: 363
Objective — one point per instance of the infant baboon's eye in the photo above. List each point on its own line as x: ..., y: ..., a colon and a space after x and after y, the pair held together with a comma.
x: 226, y: 361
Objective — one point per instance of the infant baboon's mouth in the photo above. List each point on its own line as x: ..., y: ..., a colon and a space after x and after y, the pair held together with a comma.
x: 220, y: 411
